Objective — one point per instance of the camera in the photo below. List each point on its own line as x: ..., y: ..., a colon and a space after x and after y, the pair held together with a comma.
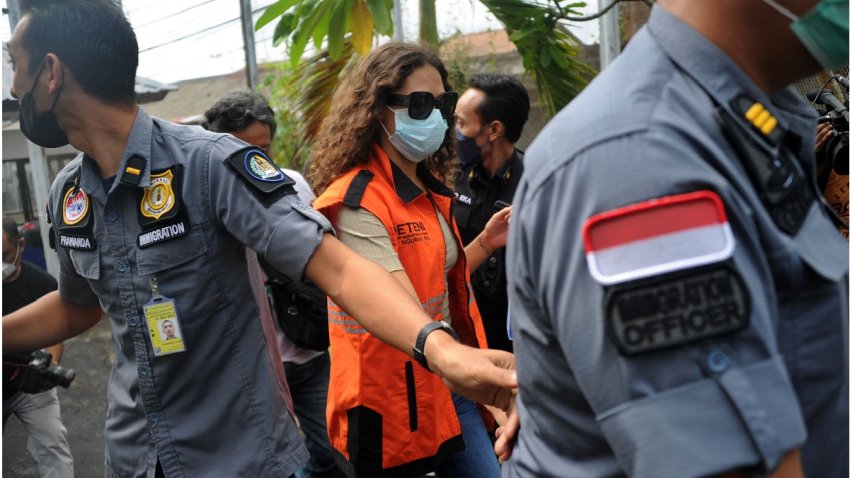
x: 33, y: 373
x: 835, y: 151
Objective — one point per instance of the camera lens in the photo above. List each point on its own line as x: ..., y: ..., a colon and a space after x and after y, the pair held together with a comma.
x: 60, y: 376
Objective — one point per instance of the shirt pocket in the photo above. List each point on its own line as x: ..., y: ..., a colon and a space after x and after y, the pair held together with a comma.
x: 86, y: 263
x: 172, y: 253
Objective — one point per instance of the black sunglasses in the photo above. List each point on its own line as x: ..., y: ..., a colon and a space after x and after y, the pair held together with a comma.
x: 421, y: 103
x: 240, y: 112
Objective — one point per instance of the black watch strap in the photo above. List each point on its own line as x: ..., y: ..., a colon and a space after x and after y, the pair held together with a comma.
x: 419, y: 348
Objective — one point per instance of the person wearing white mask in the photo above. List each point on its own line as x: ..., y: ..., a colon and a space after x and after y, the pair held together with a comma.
x: 47, y: 440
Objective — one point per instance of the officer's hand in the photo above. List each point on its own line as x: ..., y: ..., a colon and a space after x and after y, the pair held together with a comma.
x: 506, y: 434
x: 824, y: 133
x: 496, y: 231
x: 480, y: 375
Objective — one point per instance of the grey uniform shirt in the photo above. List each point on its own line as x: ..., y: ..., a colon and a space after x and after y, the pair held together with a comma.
x: 217, y: 409
x: 644, y: 130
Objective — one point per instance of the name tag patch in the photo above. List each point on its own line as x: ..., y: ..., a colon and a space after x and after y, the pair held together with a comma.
x: 464, y: 199
x: 76, y: 242
x: 162, y: 234
x: 677, y: 309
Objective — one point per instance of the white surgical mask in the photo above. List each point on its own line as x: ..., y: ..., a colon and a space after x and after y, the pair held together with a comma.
x: 9, y: 269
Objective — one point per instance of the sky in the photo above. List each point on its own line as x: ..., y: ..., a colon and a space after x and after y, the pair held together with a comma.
x: 184, y: 39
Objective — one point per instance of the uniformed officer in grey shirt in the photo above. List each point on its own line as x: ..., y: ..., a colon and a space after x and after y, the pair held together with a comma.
x: 679, y: 294
x: 151, y: 223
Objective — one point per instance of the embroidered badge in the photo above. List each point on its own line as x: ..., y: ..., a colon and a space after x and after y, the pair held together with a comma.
x: 75, y: 206
x: 657, y: 237
x: 265, y: 179
x: 676, y: 309
x: 158, y: 199
x: 75, y: 225
x: 260, y: 167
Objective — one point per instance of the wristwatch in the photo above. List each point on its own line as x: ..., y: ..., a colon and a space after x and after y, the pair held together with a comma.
x: 419, y: 348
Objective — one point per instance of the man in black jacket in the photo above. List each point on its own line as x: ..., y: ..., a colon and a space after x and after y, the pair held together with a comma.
x: 489, y: 119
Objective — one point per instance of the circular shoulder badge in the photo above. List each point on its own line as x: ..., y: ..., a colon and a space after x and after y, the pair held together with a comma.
x: 159, y: 197
x: 74, y: 206
x: 260, y: 167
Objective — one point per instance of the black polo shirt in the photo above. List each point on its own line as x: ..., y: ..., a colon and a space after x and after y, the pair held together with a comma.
x: 476, y: 193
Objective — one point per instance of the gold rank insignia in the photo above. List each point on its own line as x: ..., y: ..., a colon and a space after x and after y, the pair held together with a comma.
x: 75, y: 205
x: 159, y: 197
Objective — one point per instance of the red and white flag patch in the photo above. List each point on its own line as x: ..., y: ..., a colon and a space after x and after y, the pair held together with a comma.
x: 658, y: 236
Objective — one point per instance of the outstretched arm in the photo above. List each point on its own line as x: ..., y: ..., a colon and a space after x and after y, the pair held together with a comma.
x: 48, y: 321
x: 383, y: 307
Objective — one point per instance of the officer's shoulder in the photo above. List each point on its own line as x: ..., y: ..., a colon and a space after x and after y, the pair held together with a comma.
x: 196, y: 142
x: 662, y: 105
x: 67, y: 172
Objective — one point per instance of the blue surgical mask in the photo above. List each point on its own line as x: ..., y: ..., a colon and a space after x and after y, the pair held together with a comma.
x: 468, y: 151
x: 822, y: 30
x: 417, y: 139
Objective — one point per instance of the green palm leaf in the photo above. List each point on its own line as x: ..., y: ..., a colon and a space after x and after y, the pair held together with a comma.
x: 549, y: 52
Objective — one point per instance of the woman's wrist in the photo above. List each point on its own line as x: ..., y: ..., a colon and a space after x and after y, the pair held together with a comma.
x: 482, y: 243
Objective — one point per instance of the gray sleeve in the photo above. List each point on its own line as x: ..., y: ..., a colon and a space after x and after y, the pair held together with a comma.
x: 305, y: 192
x: 366, y: 235
x: 670, y: 412
x: 285, y: 233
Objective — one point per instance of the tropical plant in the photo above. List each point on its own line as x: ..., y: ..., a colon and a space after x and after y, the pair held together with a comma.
x: 344, y: 30
x: 549, y: 51
x: 301, y: 98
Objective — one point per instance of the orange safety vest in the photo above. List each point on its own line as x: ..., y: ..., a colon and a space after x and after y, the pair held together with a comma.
x: 387, y: 415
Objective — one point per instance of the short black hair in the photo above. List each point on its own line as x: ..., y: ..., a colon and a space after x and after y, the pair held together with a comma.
x: 10, y: 227
x: 506, y: 100
x: 236, y: 110
x: 92, y: 38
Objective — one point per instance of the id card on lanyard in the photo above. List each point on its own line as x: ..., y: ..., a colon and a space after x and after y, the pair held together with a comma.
x: 163, y: 323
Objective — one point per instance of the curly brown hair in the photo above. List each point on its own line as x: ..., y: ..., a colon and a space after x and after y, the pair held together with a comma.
x: 353, y: 125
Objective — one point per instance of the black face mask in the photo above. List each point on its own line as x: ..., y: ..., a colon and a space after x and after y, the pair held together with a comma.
x: 42, y: 129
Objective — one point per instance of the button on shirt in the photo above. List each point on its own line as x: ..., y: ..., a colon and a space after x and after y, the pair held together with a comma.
x: 727, y: 402
x: 217, y: 409
x: 474, y: 205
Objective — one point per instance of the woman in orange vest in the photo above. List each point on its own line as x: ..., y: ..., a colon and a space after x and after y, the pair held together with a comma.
x: 381, y: 166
